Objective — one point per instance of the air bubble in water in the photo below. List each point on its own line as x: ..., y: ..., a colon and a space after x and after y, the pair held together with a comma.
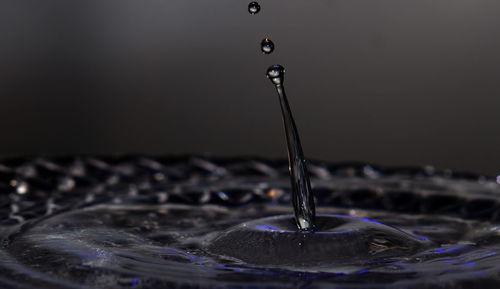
x: 267, y: 46
x: 253, y: 8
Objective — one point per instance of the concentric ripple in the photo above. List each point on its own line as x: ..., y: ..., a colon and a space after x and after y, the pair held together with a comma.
x: 151, y: 223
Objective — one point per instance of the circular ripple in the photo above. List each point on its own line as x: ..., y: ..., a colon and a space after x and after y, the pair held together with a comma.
x: 346, y: 240
x: 148, y: 223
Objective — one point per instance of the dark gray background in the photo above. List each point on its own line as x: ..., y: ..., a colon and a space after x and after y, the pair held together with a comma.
x: 393, y: 82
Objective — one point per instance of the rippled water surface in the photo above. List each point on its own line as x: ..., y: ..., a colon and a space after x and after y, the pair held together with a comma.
x: 152, y: 223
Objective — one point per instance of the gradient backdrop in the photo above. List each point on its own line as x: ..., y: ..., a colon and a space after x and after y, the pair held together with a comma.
x: 394, y: 82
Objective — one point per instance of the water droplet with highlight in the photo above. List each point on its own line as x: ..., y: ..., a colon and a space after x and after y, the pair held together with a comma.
x: 276, y: 73
x: 267, y: 46
x: 253, y: 8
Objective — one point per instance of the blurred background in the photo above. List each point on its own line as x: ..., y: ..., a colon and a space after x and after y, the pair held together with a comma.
x: 384, y: 81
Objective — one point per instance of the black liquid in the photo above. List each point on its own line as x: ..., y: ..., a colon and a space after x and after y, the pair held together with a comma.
x: 343, y: 240
x: 267, y: 46
x: 303, y: 199
x: 148, y: 223
x: 158, y: 223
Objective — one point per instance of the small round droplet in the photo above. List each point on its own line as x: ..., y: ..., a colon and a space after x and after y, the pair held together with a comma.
x: 267, y: 46
x: 276, y: 73
x: 253, y: 8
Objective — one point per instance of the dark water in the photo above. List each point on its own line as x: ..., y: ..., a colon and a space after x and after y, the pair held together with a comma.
x: 173, y: 223
x: 302, y: 196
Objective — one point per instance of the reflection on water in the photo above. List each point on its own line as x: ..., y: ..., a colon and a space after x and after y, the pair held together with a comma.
x: 151, y: 223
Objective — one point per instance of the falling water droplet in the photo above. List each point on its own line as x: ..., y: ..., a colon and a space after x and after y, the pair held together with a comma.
x: 253, y: 8
x: 267, y: 46
x: 303, y: 199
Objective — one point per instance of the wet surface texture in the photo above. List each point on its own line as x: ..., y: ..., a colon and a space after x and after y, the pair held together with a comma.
x: 141, y: 222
